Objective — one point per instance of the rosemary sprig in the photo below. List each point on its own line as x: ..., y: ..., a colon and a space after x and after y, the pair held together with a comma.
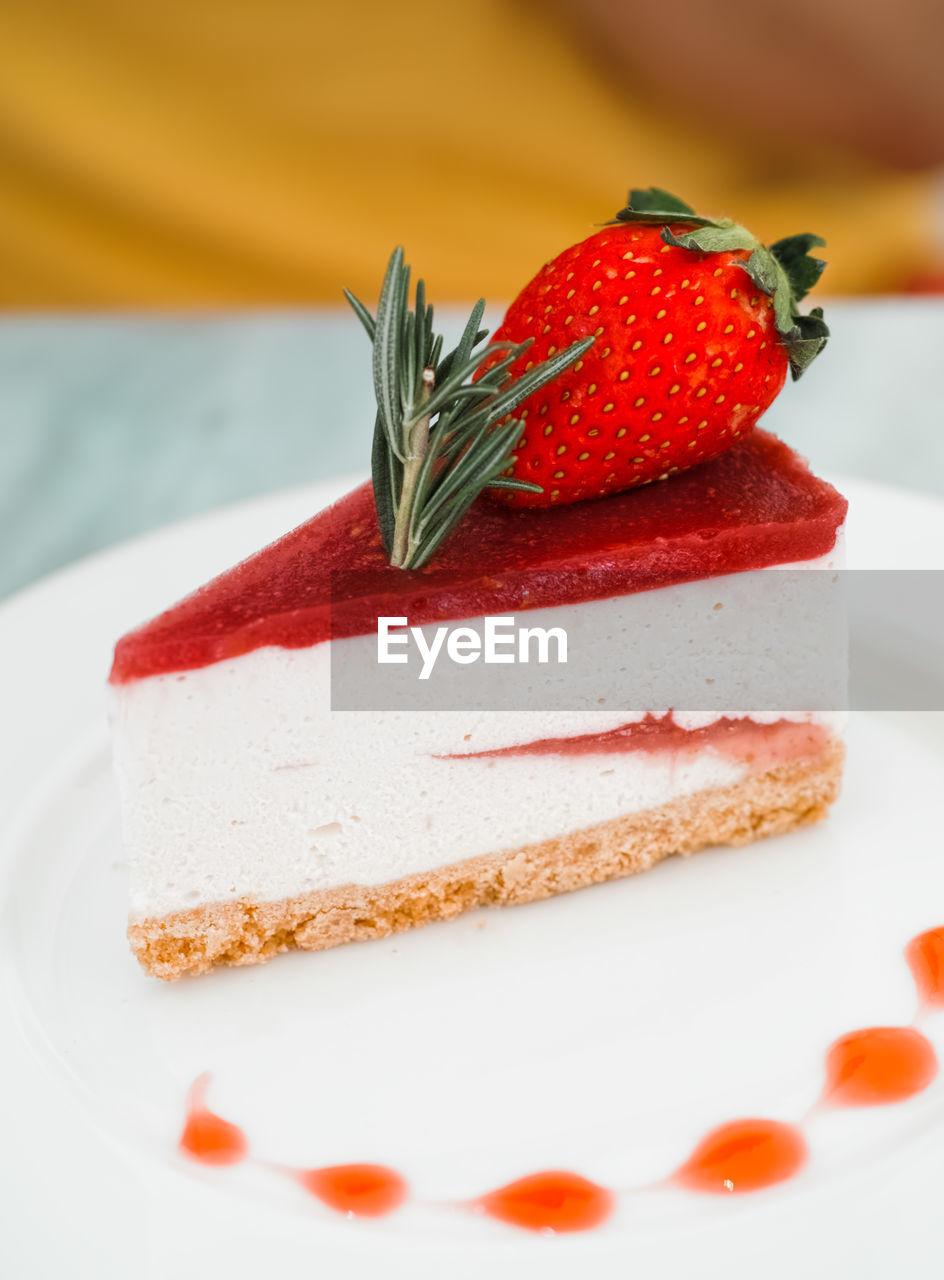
x: 439, y: 438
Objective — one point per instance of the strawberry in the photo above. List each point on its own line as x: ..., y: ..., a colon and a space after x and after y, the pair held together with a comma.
x: 695, y: 325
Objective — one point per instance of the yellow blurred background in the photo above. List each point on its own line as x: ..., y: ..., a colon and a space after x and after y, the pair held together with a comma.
x: 220, y: 152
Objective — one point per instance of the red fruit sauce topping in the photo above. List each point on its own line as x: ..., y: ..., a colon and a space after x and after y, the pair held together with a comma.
x: 363, y: 1190
x: 738, y: 738
x: 878, y: 1065
x: 745, y: 1155
x: 553, y: 1201
x: 925, y: 956
x: 206, y: 1137
x: 753, y: 506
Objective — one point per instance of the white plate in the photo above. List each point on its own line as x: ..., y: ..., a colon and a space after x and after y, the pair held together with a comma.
x: 605, y: 1031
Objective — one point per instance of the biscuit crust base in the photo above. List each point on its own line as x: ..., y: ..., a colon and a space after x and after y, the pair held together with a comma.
x: 247, y: 932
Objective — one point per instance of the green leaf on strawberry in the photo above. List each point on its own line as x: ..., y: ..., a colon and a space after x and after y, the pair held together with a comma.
x: 793, y: 254
x: 651, y: 204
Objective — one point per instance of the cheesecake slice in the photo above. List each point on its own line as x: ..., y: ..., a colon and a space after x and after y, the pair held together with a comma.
x: 258, y: 818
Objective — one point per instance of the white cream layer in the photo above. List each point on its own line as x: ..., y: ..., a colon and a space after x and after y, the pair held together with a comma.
x: 238, y: 780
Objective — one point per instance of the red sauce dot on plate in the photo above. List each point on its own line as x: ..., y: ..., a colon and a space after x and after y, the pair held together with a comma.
x: 206, y: 1137
x: 551, y: 1201
x: 365, y: 1190
x: 744, y: 1155
x: 878, y: 1065
x: 925, y: 956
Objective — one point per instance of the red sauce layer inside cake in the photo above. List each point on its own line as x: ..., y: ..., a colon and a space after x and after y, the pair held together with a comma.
x: 758, y: 745
x: 756, y: 505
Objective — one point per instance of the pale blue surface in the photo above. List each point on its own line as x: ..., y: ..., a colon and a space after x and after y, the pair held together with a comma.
x: 114, y: 425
